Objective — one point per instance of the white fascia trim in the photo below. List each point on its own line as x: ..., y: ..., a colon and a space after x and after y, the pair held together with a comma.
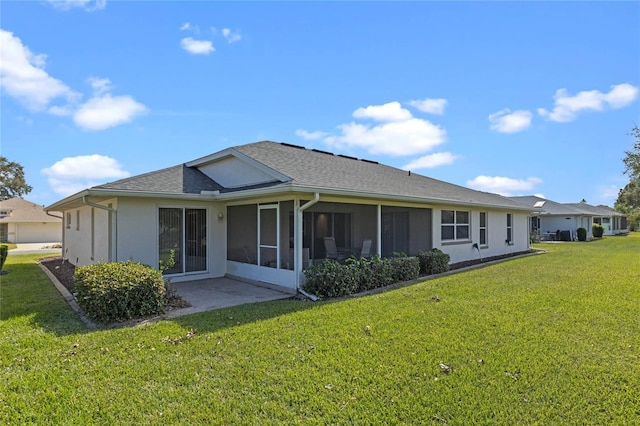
x: 120, y: 193
x: 231, y: 152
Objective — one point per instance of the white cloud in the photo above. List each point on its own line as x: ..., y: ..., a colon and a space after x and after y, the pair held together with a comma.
x: 22, y: 76
x: 399, y: 133
x: 231, y: 36
x: 100, y: 85
x: 104, y: 111
x: 73, y: 174
x: 311, y: 135
x: 88, y: 5
x: 506, y: 121
x: 185, y: 26
x: 197, y: 47
x: 430, y: 106
x: 391, y: 111
x: 503, y: 185
x: 432, y: 160
x: 567, y: 107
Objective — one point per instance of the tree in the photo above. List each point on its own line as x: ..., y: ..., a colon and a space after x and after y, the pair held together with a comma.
x: 12, y: 183
x: 632, y: 158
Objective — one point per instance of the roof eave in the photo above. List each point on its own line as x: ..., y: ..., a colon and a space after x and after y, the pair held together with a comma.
x: 359, y: 194
x: 97, y: 192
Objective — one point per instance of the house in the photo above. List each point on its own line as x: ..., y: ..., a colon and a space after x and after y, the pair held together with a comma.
x: 561, y: 220
x: 22, y: 221
x: 613, y: 222
x: 261, y: 211
x: 555, y: 217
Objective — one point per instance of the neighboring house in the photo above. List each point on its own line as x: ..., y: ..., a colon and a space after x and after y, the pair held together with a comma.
x: 261, y: 211
x: 613, y: 222
x: 22, y: 221
x: 556, y: 219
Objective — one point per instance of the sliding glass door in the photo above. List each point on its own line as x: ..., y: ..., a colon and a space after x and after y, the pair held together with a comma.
x: 182, y: 240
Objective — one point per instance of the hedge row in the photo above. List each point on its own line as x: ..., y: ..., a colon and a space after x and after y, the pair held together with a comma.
x: 331, y: 279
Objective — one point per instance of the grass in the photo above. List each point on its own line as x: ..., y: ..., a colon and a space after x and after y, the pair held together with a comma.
x: 548, y: 339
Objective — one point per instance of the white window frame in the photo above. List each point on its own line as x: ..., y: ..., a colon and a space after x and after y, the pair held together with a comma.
x: 484, y: 228
x: 509, y: 239
x: 456, y: 225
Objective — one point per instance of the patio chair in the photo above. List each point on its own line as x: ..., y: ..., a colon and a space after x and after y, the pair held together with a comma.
x: 332, y: 251
x: 365, y: 251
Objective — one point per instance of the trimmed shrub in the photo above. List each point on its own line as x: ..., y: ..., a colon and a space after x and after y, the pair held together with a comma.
x: 4, y: 251
x: 331, y: 279
x: 119, y: 291
x: 597, y: 230
x: 582, y: 234
x: 434, y: 261
x: 404, y: 268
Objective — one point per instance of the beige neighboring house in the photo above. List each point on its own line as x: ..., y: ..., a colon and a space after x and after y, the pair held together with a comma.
x: 22, y: 221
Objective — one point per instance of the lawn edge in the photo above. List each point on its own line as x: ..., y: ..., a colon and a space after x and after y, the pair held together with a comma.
x: 425, y: 278
x: 68, y: 297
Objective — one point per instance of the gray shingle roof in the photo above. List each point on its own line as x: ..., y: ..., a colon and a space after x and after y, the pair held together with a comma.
x: 595, y: 210
x: 310, y: 168
x: 549, y: 207
x: 173, y: 180
x: 554, y: 208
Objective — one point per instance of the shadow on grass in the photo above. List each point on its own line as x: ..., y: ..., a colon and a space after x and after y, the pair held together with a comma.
x: 219, y: 319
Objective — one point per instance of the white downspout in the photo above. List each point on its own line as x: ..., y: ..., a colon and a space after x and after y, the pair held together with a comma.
x: 297, y: 264
x: 379, y: 229
x: 115, y: 225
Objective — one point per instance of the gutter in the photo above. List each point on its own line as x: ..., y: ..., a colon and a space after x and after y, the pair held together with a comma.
x: 115, y: 225
x: 53, y: 215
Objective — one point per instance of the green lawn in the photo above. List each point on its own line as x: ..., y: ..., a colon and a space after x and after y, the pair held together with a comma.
x: 547, y: 339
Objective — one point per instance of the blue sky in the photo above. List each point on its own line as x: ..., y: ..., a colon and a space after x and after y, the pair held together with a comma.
x: 508, y: 97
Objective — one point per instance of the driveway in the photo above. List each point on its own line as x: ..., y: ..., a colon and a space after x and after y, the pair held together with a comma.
x: 36, y: 248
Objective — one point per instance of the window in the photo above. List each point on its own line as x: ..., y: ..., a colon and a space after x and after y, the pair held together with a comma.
x: 182, y: 232
x: 68, y: 220
x: 509, y: 228
x: 483, y: 228
x: 77, y: 220
x: 455, y: 225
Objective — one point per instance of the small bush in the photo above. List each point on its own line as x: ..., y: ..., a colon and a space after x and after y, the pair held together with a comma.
x: 119, y: 291
x: 582, y: 234
x: 434, y: 261
x: 597, y: 230
x: 4, y: 251
x: 331, y: 279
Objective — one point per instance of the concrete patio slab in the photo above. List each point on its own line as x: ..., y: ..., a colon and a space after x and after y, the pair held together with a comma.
x: 216, y: 293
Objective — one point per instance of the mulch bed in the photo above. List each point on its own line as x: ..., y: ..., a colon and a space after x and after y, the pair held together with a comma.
x: 62, y: 270
x: 467, y: 263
